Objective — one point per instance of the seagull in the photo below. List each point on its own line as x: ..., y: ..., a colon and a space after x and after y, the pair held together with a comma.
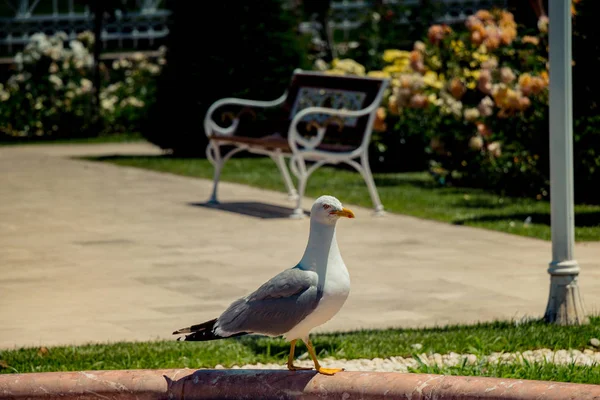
x: 297, y: 299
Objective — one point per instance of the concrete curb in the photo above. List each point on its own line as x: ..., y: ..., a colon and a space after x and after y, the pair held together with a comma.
x: 277, y: 384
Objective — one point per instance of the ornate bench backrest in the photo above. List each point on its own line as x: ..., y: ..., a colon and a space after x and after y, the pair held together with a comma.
x: 315, y: 89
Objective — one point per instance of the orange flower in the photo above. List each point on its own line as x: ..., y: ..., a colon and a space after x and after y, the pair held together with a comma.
x: 484, y: 83
x: 419, y: 100
x: 537, y: 85
x: 393, y: 104
x: 507, y: 75
x: 436, y: 33
x: 483, y: 130
x: 525, y: 83
x: 379, y: 123
x: 405, y: 81
x: 524, y: 103
x: 573, y: 10
x: 507, y: 35
x: 457, y: 88
x: 415, y: 56
x: 492, y: 38
x: 506, y: 19
x: 484, y: 15
x: 476, y: 38
x: 533, y: 84
x: 531, y: 40
x: 473, y: 22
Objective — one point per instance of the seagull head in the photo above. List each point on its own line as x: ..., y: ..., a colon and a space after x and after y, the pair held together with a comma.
x: 328, y: 209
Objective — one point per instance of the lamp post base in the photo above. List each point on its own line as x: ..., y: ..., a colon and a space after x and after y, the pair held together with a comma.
x: 565, y: 306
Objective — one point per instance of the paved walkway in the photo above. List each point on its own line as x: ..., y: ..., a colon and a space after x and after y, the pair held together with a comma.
x: 92, y: 252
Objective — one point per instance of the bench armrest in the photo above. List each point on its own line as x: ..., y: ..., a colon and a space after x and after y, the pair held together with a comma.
x: 294, y: 138
x: 210, y: 126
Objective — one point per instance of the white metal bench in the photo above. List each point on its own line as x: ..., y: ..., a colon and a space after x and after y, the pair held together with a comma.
x: 321, y: 119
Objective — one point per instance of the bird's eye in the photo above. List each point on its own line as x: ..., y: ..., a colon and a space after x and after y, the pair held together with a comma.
x: 326, y: 206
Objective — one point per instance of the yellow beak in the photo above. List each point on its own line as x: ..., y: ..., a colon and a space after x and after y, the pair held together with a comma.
x: 345, y: 212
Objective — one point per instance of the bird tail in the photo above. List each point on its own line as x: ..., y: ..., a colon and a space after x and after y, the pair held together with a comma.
x: 202, y: 332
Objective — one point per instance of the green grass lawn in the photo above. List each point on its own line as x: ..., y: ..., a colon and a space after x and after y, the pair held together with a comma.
x: 480, y: 339
x: 406, y: 193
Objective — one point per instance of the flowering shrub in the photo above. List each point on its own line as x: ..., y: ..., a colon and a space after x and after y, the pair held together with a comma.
x: 125, y: 101
x: 478, y: 95
x: 51, y: 93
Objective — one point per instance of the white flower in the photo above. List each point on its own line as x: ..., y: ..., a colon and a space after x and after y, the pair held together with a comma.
x: 507, y: 75
x: 153, y: 69
x: 113, y: 87
x: 486, y: 106
x: 40, y: 41
x: 125, y: 63
x: 108, y: 104
x: 495, y: 149
x: 471, y: 114
x: 321, y: 65
x: 56, y: 81
x: 78, y: 48
x: 60, y: 37
x: 87, y: 37
x: 19, y: 60
x: 53, y: 68
x: 4, y: 95
x: 86, y: 85
x: 476, y: 142
x: 116, y: 65
x: 54, y: 53
x: 132, y: 101
x: 138, y: 56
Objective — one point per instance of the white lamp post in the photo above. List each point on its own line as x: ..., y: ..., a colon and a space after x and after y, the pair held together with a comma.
x: 564, y: 303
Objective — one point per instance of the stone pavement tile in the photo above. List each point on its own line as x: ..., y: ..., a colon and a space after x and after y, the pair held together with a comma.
x: 93, y: 252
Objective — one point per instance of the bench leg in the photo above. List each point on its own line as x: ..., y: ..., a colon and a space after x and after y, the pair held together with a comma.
x: 298, y: 167
x: 289, y: 185
x: 213, y: 154
x: 365, y: 170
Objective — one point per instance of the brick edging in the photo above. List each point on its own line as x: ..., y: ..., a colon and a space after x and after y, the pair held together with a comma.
x: 180, y: 384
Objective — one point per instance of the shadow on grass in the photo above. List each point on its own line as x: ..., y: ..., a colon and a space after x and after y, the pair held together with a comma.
x: 582, y: 219
x: 125, y: 157
x: 395, y: 180
x: 281, y: 348
x: 251, y: 209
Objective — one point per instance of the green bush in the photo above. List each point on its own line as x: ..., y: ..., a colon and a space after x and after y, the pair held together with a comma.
x: 51, y: 92
x: 247, y: 50
x: 479, y: 96
x: 51, y: 95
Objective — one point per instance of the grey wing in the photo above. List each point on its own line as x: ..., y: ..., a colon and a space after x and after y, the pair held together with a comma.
x: 275, y: 307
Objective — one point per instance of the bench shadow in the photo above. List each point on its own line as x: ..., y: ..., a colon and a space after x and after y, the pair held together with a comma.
x: 251, y: 209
